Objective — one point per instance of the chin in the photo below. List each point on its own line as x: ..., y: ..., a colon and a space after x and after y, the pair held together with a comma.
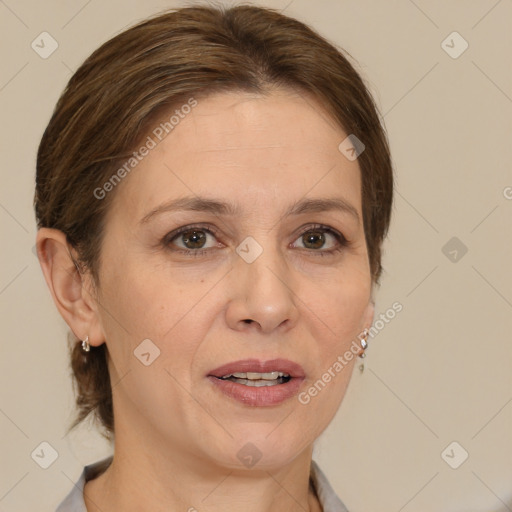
x: 262, y: 446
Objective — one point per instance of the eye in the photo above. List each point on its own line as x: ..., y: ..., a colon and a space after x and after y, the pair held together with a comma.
x: 321, y: 239
x: 199, y: 240
x: 190, y: 239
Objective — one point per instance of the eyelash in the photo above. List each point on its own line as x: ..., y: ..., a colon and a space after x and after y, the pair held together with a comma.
x: 341, y: 239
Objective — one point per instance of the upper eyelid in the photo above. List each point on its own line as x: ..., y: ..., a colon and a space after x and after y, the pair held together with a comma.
x: 179, y: 231
x: 338, y: 235
x: 313, y: 226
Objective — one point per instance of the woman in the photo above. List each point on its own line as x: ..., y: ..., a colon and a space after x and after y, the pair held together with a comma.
x: 212, y: 194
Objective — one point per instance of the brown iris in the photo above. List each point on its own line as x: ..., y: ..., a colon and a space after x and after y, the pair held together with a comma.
x: 315, y: 238
x: 196, y: 238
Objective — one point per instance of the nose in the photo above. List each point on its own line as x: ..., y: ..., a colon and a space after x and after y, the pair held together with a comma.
x: 261, y: 294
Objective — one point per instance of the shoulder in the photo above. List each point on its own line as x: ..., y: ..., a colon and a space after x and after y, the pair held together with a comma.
x: 74, y: 501
x: 328, y: 499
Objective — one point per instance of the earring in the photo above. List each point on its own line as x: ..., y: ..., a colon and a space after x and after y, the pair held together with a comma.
x: 364, y: 343
x: 86, y: 347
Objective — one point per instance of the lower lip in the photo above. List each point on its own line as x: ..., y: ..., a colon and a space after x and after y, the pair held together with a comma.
x: 258, y: 396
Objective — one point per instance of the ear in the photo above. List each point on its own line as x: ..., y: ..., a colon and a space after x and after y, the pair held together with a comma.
x: 368, y: 315
x: 73, y: 292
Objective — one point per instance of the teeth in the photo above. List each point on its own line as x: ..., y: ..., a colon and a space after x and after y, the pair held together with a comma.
x: 258, y: 383
x: 256, y: 376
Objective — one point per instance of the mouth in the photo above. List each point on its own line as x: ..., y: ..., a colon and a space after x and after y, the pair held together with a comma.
x: 255, y: 382
x: 263, y: 373
x: 256, y: 379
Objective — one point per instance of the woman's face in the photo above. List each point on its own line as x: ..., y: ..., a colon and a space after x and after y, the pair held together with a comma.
x: 259, y: 245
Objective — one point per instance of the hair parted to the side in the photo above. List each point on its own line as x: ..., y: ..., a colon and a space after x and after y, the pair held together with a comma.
x: 157, y: 65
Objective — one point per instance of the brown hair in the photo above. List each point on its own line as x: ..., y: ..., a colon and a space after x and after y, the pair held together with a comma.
x: 143, y: 72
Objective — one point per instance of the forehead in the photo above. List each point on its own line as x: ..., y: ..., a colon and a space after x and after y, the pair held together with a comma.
x: 267, y: 149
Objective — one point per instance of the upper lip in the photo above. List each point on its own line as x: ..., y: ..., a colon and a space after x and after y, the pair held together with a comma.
x: 257, y: 366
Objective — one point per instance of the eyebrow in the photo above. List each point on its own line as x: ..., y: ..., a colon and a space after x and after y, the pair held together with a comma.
x: 203, y: 204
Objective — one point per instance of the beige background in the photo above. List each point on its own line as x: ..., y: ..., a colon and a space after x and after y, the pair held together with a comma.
x: 439, y: 372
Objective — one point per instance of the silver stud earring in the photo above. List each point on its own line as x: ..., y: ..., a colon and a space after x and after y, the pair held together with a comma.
x: 86, y: 347
x: 364, y: 343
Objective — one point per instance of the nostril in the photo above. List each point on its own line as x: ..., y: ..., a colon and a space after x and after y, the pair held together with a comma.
x: 247, y: 321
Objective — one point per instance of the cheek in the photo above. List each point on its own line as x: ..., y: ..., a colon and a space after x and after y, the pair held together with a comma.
x: 143, y: 296
x: 335, y: 320
x: 141, y: 302
x: 338, y: 307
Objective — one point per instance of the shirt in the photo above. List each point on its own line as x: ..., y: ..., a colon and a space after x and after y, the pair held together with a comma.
x: 74, y: 501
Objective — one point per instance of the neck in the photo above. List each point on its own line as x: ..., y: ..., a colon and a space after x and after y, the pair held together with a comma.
x: 163, y: 479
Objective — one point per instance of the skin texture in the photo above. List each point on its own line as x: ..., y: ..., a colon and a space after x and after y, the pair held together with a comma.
x: 177, y: 437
